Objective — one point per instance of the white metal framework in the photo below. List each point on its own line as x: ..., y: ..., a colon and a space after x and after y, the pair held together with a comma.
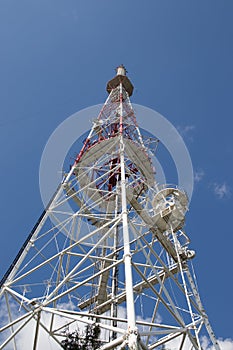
x: 109, y: 249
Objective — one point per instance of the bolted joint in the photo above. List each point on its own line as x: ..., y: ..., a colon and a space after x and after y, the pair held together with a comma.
x: 128, y: 255
x: 134, y: 331
x: 133, y: 338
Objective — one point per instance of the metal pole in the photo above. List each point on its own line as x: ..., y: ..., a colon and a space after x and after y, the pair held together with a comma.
x: 185, y: 287
x: 132, y: 331
x: 115, y: 269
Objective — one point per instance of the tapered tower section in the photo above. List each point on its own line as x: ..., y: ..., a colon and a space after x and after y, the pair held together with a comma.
x: 115, y: 258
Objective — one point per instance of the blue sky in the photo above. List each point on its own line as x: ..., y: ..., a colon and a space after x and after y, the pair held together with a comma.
x: 56, y: 57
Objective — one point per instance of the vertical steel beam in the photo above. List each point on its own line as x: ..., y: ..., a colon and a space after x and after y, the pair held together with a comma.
x: 127, y: 254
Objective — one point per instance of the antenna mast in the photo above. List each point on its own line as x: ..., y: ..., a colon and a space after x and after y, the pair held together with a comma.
x: 117, y: 258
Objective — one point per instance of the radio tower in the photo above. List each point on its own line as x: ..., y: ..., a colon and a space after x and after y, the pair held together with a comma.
x: 109, y: 252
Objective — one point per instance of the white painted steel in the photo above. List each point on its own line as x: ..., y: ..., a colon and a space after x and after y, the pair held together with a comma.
x: 127, y: 252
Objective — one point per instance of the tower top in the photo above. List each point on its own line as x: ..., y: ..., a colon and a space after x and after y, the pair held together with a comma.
x: 120, y: 78
x: 121, y: 70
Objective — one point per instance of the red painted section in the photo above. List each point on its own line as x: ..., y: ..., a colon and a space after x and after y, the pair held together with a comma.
x: 121, y: 116
x: 87, y: 141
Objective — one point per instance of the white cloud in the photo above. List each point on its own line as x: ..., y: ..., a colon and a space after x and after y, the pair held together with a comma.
x: 225, y: 344
x: 26, y: 336
x: 25, y: 340
x: 198, y: 175
x: 186, y: 131
x: 221, y: 190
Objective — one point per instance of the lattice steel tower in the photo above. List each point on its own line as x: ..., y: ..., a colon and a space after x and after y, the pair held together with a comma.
x: 109, y: 250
